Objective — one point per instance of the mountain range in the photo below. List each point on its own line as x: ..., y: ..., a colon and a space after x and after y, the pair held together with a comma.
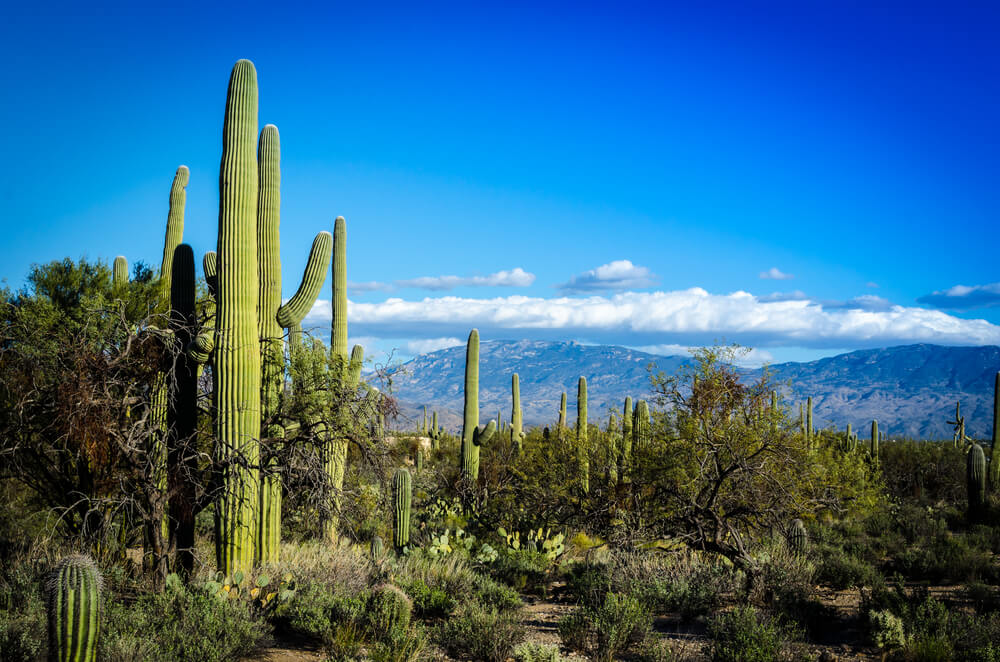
x: 910, y: 389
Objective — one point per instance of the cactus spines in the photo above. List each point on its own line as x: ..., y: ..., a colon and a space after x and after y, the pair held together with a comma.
x: 175, y: 230
x: 354, y: 366
x: 640, y: 426
x: 873, y: 449
x: 119, y: 276
x: 418, y: 460
x: 582, y: 446
x: 562, y: 411
x: 798, y: 538
x: 294, y: 310
x: 74, y: 604
x: 200, y: 349
x: 377, y: 550
x: 612, y: 435
x: 210, y: 265
x: 516, y: 418
x: 402, y: 492
x: 975, y: 476
x: 237, y: 355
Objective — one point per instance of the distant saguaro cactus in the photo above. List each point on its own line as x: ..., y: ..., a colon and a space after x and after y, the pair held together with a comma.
x: 562, y: 411
x: 119, y: 276
x: 640, y: 426
x: 798, y: 538
x: 874, y: 443
x: 626, y: 450
x: 995, y: 437
x: 975, y: 476
x: 582, y: 445
x: 74, y: 606
x: 516, y: 418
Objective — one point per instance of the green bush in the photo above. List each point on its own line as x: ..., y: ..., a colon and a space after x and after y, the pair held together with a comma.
x: 479, y: 634
x: 744, y: 635
x: 22, y: 611
x: 532, y: 652
x: 589, y: 582
x: 180, y: 625
x: 840, y: 570
x: 427, y: 601
x: 316, y: 610
x: 620, y: 622
x: 389, y: 612
x: 21, y: 636
x: 493, y: 595
x: 522, y: 569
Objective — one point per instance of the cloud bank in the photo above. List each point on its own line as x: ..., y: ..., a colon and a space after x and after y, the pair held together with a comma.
x: 683, y: 317
x: 963, y: 297
x: 615, y: 276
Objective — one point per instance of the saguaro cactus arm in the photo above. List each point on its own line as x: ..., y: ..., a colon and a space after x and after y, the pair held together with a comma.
x: 294, y: 310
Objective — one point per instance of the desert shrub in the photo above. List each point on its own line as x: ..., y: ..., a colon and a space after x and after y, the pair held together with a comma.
x: 494, y: 595
x: 745, y: 635
x: 602, y: 632
x: 22, y: 611
x: 983, y: 597
x: 341, y: 564
x: 406, y: 646
x: 22, y: 635
x: 886, y: 630
x: 659, y: 650
x: 179, y: 625
x: 534, y: 652
x: 316, y: 610
x: 522, y: 569
x: 479, y: 634
x: 427, y: 601
x: 344, y: 643
x: 389, y: 611
x: 450, y: 574
x: 840, y: 570
x: 589, y: 583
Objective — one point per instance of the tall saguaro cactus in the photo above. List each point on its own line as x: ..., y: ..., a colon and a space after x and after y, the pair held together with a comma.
x: 472, y: 436
x: 516, y: 417
x: 273, y: 318
x: 613, y: 450
x: 182, y: 412
x: 562, y: 411
x: 809, y: 420
x: 74, y: 607
x: 626, y: 451
x: 640, y: 426
x: 402, y: 493
x: 995, y: 437
x: 582, y: 445
x: 119, y: 276
x: 237, y: 349
x: 873, y: 449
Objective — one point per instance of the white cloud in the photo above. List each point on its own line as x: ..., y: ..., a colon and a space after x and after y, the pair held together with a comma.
x: 428, y: 345
x: 774, y: 273
x: 665, y: 349
x: 516, y: 277
x: 691, y: 316
x: 369, y: 286
x: 616, y: 276
x: 797, y: 295
x: 964, y: 297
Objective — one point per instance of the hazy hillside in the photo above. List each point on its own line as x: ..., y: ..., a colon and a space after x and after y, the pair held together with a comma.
x: 911, y: 389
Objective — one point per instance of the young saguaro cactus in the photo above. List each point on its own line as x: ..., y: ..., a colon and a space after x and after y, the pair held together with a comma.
x: 994, y: 481
x: 582, y: 445
x: 612, y: 439
x: 74, y: 607
x: 809, y: 420
x: 516, y: 417
x: 402, y: 493
x: 626, y: 450
x: 798, y: 538
x: 237, y: 355
x: 975, y: 478
x: 562, y: 411
x: 472, y: 436
x: 435, y: 432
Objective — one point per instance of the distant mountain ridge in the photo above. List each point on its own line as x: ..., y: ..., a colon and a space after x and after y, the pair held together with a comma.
x: 910, y: 389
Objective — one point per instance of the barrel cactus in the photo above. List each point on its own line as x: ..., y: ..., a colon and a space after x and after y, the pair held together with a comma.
x: 389, y: 612
x: 74, y: 607
x: 798, y: 538
x: 402, y: 493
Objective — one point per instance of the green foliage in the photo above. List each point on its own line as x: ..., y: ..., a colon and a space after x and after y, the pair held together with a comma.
x: 180, y: 625
x: 476, y: 633
x: 607, y: 629
x: 534, y: 652
x: 745, y: 635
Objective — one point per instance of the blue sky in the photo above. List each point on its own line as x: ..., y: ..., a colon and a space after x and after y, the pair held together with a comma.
x: 620, y: 173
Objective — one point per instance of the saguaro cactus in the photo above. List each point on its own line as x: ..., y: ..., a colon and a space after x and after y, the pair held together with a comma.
x: 994, y: 458
x: 273, y: 318
x: 873, y: 449
x: 516, y: 418
x: 975, y: 478
x: 119, y: 276
x: 435, y: 432
x: 175, y: 231
x: 809, y: 420
x: 402, y: 493
x: 237, y: 355
x: 582, y: 446
x: 640, y: 426
x: 74, y: 606
x: 612, y: 439
x: 626, y: 450
x: 562, y: 411
x: 472, y: 436
x: 182, y: 412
